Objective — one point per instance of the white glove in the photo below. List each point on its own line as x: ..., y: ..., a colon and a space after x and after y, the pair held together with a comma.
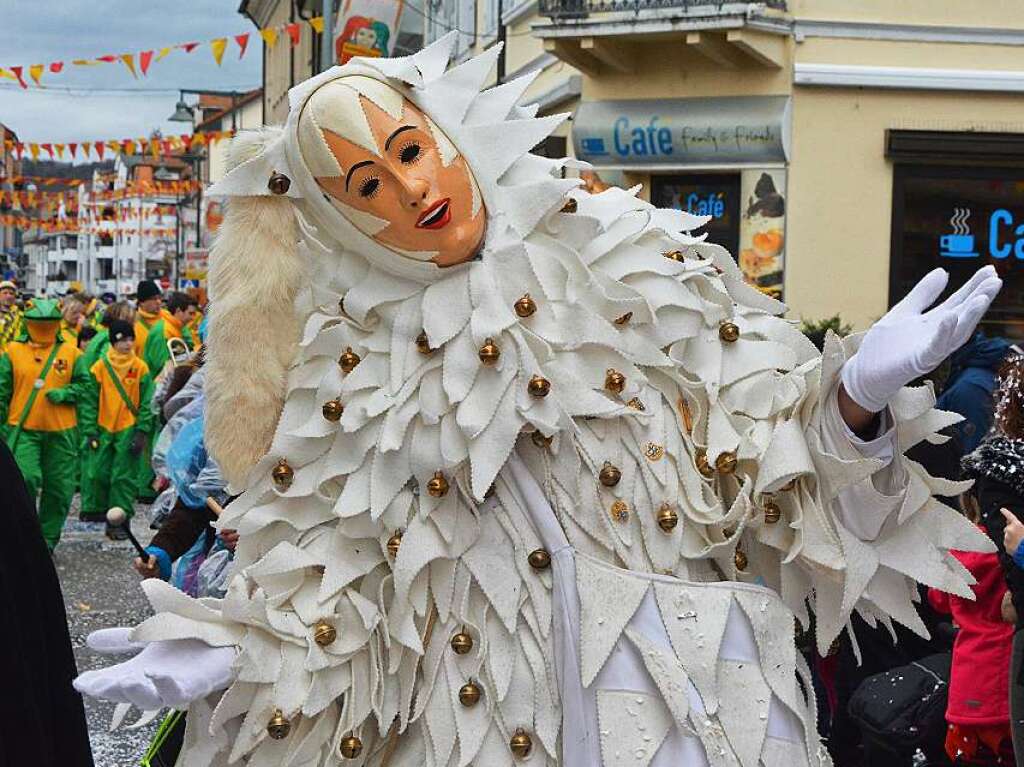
x: 909, y: 341
x: 171, y: 673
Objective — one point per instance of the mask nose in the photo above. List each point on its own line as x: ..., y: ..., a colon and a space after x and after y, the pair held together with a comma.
x: 414, y: 193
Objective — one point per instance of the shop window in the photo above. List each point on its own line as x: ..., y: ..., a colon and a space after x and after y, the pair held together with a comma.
x: 704, y: 194
x: 960, y: 218
x: 554, y: 147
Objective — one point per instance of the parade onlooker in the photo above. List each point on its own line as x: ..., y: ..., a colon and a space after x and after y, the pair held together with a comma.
x: 42, y: 720
x: 117, y: 421
x: 978, y: 711
x: 73, y: 308
x: 10, y: 314
x: 40, y: 419
x: 174, y: 319
x: 85, y: 337
x: 969, y: 387
x: 998, y: 466
x: 148, y: 300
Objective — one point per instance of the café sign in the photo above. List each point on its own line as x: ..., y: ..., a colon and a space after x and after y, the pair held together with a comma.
x: 677, y: 133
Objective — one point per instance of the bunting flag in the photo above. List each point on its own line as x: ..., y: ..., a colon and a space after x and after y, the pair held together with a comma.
x: 73, y: 225
x: 156, y: 147
x: 218, y: 47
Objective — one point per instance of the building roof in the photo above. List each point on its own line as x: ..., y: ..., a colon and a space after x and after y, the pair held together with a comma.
x: 246, y: 98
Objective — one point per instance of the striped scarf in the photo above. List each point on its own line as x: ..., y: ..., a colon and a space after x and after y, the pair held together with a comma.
x: 10, y: 326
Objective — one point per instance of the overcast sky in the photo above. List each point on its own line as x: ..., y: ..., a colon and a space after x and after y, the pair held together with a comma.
x: 41, y: 31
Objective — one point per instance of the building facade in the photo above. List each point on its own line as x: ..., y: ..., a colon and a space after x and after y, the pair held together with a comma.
x: 11, y: 253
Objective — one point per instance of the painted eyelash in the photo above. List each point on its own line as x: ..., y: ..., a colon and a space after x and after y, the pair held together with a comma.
x: 419, y: 154
x: 366, y: 182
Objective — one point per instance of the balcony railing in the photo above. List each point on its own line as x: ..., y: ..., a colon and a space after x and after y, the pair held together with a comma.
x: 575, y: 9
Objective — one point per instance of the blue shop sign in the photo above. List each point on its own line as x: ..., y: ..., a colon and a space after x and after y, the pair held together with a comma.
x: 676, y: 133
x: 1003, y: 235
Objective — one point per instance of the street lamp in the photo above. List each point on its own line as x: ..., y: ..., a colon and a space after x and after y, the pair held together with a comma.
x: 183, y: 113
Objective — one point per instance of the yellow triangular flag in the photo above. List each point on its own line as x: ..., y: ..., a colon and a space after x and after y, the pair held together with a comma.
x: 8, y: 75
x: 60, y: 150
x: 269, y: 36
x: 35, y: 70
x: 34, y: 149
x: 317, y: 22
x: 129, y: 61
x: 218, y: 47
x: 115, y: 146
x: 163, y: 52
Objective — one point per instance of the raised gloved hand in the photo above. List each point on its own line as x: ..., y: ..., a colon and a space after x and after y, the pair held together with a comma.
x: 910, y: 341
x: 171, y: 673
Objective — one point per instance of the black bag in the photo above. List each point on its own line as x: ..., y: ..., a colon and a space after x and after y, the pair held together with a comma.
x: 904, y: 709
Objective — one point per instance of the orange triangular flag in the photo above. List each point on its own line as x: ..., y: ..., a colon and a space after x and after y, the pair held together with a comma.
x: 86, y: 146
x: 269, y: 37
x: 60, y: 151
x: 243, y: 41
x: 73, y: 146
x: 34, y: 149
x: 218, y: 47
x: 163, y: 52
x: 144, y: 58
x: 293, y: 32
x: 317, y: 22
x: 114, y: 146
x: 98, y: 146
x: 129, y: 61
x: 35, y: 70
x: 48, y: 148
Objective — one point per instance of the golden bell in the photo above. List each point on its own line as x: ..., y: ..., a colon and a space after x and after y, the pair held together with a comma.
x: 351, y: 747
x: 525, y: 306
x: 620, y: 510
x: 283, y: 474
x: 539, y: 559
x: 740, y: 560
x: 469, y: 694
x: 540, y: 440
x: 333, y: 410
x: 394, y: 542
x: 437, y: 487
x: 728, y: 332
x: 609, y: 475
x: 324, y: 633
x: 462, y: 642
x: 348, y: 360
x: 422, y: 344
x: 570, y: 206
x: 772, y: 512
x: 278, y: 727
x: 726, y: 462
x: 489, y: 352
x: 700, y: 460
x: 279, y: 183
x: 539, y: 386
x: 521, y: 744
x: 667, y: 518
x: 674, y: 255
x: 623, y: 319
x: 614, y: 381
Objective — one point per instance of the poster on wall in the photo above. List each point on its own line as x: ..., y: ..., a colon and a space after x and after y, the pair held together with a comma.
x: 366, y: 28
x: 762, y: 243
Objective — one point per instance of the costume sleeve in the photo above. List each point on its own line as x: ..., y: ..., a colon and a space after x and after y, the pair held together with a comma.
x: 181, y: 529
x: 6, y: 388
x: 74, y: 391
x: 88, y: 405
x: 144, y: 422
x: 155, y: 353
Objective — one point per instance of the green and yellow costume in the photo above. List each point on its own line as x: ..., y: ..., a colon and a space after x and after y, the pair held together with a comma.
x: 155, y: 353
x: 144, y: 322
x: 41, y: 377
x: 114, y: 409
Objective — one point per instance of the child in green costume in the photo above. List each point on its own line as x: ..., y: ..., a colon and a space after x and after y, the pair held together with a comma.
x: 117, y: 420
x: 41, y: 377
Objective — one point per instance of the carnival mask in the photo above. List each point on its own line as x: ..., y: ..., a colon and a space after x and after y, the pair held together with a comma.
x: 391, y: 171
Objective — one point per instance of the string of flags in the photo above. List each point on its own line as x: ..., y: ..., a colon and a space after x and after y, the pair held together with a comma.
x: 139, y: 62
x: 74, y: 226
x: 157, y: 146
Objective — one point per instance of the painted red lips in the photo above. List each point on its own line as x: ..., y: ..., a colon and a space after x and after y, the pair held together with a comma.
x: 436, y: 216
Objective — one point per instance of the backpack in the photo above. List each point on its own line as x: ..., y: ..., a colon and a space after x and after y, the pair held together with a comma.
x: 902, y: 710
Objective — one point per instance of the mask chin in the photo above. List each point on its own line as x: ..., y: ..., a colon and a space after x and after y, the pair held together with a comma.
x: 42, y: 331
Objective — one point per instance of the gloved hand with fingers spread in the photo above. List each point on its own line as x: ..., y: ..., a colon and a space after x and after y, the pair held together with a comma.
x: 911, y: 340
x: 171, y: 673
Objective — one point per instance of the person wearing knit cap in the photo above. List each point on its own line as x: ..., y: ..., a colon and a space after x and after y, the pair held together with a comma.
x: 10, y: 314
x: 41, y: 378
x: 116, y: 420
x: 148, y: 299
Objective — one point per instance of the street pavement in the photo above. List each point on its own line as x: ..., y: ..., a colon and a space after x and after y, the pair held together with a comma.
x: 102, y: 590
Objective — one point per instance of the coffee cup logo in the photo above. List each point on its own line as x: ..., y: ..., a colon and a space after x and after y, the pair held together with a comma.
x: 960, y: 243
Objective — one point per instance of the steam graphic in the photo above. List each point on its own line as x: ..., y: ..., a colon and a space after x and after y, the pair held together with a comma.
x: 959, y: 220
x: 959, y: 244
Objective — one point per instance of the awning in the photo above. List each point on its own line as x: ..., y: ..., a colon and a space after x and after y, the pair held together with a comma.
x: 673, y: 134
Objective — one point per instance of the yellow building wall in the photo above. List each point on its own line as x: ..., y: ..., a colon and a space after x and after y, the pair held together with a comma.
x: 995, y: 14
x: 839, y: 201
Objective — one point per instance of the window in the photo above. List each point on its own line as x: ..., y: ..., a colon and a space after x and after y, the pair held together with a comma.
x: 446, y: 15
x: 704, y: 194
x: 959, y: 218
x: 490, y: 21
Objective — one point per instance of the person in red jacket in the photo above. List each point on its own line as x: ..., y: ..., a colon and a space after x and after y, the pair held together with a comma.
x: 978, y: 711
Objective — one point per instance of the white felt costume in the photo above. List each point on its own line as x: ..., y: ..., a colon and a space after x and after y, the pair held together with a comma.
x: 637, y: 646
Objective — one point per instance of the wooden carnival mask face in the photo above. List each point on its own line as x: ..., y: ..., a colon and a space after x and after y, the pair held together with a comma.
x: 418, y: 192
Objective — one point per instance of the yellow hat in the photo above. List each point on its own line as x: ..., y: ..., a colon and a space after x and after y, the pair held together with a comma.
x: 8, y: 284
